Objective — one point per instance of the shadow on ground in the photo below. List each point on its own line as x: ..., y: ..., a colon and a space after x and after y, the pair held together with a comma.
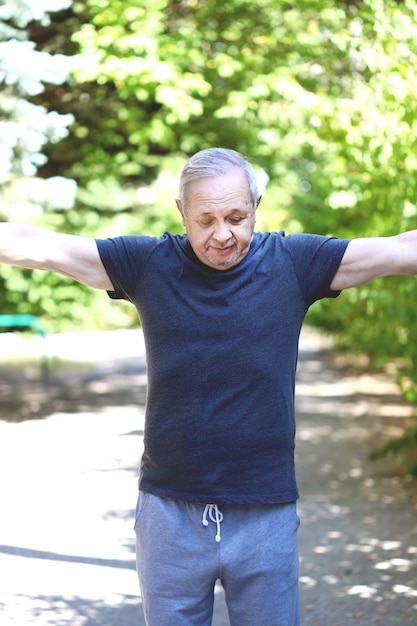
x: 25, y: 393
x: 358, y: 539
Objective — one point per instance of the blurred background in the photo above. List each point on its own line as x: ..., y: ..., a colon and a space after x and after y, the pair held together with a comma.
x: 102, y: 101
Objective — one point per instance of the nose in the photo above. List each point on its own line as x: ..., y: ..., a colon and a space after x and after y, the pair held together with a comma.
x: 221, y: 232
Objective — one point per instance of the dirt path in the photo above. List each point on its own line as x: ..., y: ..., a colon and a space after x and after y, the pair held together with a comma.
x: 358, y: 540
x: 69, y: 449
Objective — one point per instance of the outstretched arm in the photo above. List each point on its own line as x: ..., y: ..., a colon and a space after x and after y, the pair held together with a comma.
x: 375, y: 257
x: 35, y: 248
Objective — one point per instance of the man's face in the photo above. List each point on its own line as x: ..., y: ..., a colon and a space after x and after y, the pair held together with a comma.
x: 219, y: 219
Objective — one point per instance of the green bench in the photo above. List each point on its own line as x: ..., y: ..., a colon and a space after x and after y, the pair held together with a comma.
x: 20, y: 322
x: 16, y: 322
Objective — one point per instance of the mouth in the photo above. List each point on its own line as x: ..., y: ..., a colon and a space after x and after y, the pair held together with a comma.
x: 221, y: 257
x: 224, y: 250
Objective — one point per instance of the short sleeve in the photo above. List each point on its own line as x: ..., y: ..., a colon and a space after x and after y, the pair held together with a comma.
x: 124, y: 259
x: 316, y: 259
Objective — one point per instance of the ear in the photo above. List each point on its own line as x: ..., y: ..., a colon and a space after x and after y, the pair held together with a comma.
x: 180, y: 209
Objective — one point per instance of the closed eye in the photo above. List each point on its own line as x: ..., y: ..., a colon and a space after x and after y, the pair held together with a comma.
x: 232, y: 219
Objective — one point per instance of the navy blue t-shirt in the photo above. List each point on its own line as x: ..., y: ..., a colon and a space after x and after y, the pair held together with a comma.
x: 222, y: 353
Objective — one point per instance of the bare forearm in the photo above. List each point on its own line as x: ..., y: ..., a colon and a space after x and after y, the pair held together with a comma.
x: 35, y: 248
x: 23, y: 245
x: 375, y: 257
x: 407, y: 245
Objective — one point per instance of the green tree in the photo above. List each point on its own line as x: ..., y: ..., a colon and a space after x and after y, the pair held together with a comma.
x: 358, y: 177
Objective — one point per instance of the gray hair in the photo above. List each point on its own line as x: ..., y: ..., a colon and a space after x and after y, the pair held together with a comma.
x: 216, y: 162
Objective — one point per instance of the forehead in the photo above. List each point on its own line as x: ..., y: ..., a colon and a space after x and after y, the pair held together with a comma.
x: 228, y: 191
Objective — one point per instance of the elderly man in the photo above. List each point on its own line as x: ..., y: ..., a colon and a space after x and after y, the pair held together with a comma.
x: 221, y: 308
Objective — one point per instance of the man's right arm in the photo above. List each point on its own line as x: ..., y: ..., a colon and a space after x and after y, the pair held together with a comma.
x: 35, y: 248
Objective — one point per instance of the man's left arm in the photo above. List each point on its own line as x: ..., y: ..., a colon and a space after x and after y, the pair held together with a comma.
x: 374, y: 257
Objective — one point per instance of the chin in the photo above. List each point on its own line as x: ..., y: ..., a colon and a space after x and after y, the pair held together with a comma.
x: 223, y: 265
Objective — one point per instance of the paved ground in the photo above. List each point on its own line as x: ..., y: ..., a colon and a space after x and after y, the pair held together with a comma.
x: 69, y: 450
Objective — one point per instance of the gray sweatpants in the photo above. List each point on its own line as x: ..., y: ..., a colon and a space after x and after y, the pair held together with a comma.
x: 183, y: 548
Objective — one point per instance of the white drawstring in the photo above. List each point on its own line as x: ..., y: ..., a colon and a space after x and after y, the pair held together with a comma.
x: 215, y: 516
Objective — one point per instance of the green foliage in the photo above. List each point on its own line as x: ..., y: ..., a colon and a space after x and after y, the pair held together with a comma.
x: 360, y: 179
x: 175, y: 76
